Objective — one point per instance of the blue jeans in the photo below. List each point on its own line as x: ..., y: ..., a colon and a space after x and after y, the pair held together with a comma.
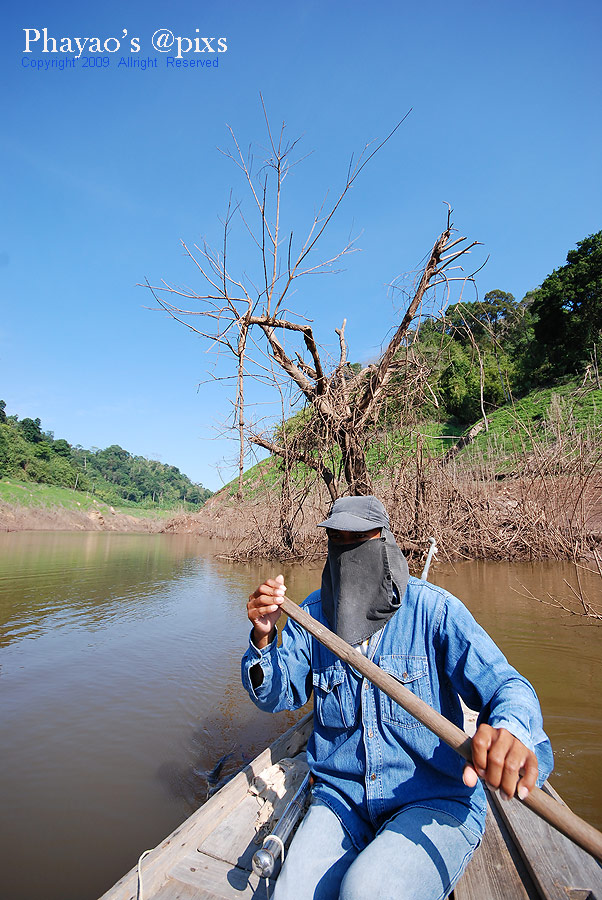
x: 417, y: 855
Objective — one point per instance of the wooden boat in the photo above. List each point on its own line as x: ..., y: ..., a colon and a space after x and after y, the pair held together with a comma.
x: 209, y: 857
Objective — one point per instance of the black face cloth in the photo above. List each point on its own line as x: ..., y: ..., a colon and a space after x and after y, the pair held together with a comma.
x: 357, y: 586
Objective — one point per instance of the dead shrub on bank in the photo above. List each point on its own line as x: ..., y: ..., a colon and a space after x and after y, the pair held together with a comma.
x: 268, y: 348
x: 541, y: 499
x: 470, y: 512
x: 241, y: 307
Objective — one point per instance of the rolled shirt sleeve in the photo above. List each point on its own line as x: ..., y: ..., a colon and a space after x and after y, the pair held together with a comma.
x: 486, y: 681
x: 286, y: 671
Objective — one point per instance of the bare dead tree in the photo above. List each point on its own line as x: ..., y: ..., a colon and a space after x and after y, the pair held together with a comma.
x: 273, y: 344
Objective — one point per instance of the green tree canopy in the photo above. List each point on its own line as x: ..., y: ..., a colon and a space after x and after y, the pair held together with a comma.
x: 568, y: 313
x: 482, y: 320
x: 62, y: 447
x: 31, y: 430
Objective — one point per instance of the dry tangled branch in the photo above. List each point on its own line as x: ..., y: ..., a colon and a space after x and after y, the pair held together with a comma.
x: 578, y: 602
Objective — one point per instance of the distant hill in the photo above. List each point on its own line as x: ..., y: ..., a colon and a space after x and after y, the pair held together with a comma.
x: 27, y: 453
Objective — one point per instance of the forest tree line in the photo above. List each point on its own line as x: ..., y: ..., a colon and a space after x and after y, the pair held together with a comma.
x: 508, y: 347
x: 28, y: 453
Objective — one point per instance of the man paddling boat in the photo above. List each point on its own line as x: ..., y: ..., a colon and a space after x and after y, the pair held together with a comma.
x: 394, y: 813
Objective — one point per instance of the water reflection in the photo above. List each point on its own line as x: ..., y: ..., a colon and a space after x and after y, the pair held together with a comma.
x: 120, y: 694
x: 55, y: 581
x: 121, y: 701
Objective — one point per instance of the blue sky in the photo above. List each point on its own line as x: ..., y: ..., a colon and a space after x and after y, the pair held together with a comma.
x: 105, y: 170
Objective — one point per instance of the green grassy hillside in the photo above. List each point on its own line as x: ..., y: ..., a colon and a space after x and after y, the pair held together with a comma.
x: 562, y: 413
x: 113, y: 475
x: 559, y: 415
x: 47, y: 496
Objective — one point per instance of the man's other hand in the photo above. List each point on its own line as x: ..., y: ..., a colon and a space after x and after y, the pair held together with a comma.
x: 503, y: 761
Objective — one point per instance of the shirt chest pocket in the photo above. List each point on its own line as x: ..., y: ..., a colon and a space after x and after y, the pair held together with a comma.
x: 333, y: 704
x: 412, y: 672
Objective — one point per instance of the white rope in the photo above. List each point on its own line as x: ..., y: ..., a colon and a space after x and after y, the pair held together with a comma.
x: 139, y: 891
x: 274, y: 837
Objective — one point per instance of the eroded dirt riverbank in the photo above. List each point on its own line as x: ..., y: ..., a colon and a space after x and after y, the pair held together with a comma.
x: 515, y: 518
x: 27, y: 518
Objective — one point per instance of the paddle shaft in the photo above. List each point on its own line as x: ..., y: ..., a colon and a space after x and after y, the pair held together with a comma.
x: 551, y: 810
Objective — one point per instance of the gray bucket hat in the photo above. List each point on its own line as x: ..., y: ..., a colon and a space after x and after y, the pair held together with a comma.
x: 356, y: 514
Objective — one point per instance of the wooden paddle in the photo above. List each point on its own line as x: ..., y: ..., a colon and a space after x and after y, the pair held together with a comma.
x: 551, y: 810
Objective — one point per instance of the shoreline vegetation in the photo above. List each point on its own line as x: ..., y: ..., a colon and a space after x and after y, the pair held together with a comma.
x: 470, y: 518
x: 112, y: 476
x: 415, y: 423
x: 480, y: 426
x: 48, y: 484
x: 526, y: 487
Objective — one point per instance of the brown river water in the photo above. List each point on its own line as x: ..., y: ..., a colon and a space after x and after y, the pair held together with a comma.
x: 120, y: 691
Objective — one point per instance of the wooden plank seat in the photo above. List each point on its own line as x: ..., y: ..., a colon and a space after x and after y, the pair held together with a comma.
x: 526, y: 860
x: 521, y: 856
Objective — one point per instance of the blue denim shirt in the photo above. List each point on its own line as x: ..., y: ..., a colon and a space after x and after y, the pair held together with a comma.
x: 370, y: 758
